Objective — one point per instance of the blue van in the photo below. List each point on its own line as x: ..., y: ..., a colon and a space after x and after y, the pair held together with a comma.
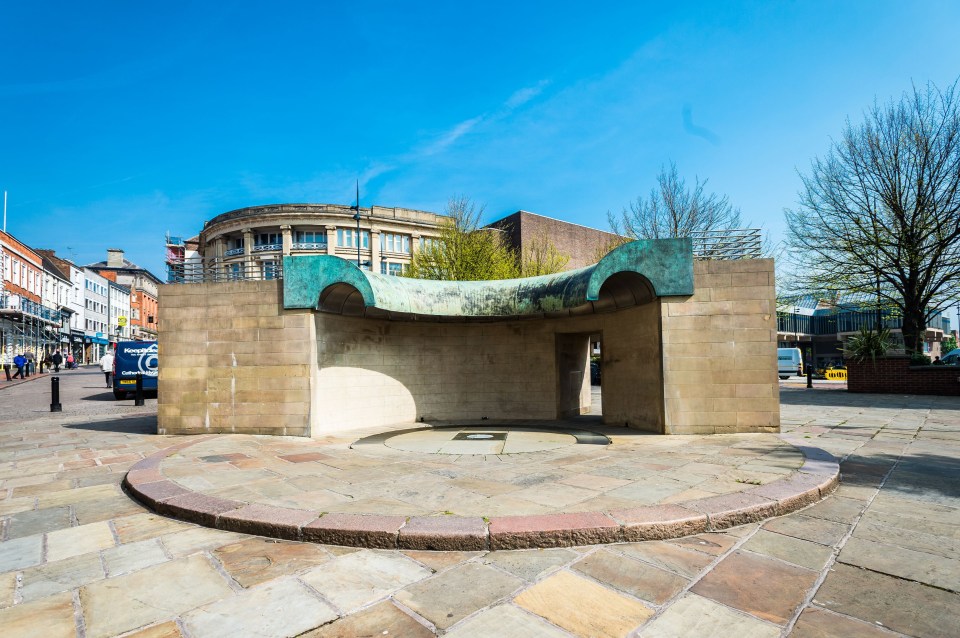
x: 130, y: 358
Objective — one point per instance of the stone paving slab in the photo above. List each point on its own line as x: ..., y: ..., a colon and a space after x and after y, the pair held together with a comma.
x: 797, y: 475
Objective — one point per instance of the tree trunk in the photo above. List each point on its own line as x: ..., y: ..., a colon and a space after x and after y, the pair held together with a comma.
x: 914, y: 327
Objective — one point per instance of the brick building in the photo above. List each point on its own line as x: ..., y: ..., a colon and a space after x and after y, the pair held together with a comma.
x: 26, y: 325
x: 584, y: 245
x: 143, y: 285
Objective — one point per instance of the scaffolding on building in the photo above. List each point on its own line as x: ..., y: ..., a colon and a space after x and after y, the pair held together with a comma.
x: 26, y: 327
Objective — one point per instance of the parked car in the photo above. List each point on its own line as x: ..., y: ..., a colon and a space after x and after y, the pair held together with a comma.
x: 132, y: 358
x: 594, y: 373
x: 952, y: 358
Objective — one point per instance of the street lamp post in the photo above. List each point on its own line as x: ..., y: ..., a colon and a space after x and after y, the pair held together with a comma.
x: 356, y: 216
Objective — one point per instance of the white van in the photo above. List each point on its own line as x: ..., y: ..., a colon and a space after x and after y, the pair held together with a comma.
x: 789, y: 362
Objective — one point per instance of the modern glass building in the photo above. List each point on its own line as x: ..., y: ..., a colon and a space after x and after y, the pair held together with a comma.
x: 809, y: 321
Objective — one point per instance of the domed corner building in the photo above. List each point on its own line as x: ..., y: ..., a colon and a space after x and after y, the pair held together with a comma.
x: 250, y: 243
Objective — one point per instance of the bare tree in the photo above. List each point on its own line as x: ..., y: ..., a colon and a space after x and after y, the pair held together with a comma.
x: 880, y: 214
x: 672, y: 209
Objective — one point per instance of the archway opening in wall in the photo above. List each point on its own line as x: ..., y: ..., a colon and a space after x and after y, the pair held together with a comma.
x: 341, y: 299
x: 623, y: 359
x: 596, y: 375
x: 574, y: 390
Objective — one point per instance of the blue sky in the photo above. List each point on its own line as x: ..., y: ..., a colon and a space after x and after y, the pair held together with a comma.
x: 120, y: 121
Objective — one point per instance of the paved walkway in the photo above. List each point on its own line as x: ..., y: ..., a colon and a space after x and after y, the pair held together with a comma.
x: 78, y: 557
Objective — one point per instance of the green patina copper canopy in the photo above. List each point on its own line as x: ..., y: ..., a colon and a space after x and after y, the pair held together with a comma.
x: 629, y: 275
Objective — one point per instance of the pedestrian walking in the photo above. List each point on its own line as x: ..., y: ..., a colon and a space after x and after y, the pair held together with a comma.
x: 57, y: 359
x: 70, y: 365
x: 106, y: 366
x: 19, y: 361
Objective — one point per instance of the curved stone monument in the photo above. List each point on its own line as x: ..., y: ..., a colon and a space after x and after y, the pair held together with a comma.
x: 688, y: 347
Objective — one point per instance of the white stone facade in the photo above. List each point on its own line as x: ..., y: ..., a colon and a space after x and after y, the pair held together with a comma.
x: 249, y: 243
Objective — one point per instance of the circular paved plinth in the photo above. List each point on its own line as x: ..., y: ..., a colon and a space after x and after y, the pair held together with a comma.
x: 390, y: 489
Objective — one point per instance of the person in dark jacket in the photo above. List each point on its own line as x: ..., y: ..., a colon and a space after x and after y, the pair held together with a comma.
x: 57, y: 359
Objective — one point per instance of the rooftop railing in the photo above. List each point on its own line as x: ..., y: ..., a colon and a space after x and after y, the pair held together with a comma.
x: 196, y: 273
x: 733, y: 243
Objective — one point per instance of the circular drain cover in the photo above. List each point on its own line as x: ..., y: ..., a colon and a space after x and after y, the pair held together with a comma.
x: 479, y: 436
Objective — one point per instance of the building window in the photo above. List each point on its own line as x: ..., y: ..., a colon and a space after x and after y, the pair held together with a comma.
x: 311, y: 237
x: 269, y: 269
x: 310, y: 240
x: 346, y: 238
x: 234, y: 272
x: 391, y: 243
x: 391, y: 268
x: 267, y: 239
x: 427, y: 243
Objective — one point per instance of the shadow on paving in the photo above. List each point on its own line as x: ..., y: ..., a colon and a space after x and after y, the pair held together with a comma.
x: 919, y: 473
x: 106, y: 395
x: 127, y: 425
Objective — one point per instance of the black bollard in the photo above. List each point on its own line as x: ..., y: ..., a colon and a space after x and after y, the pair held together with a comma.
x: 138, y: 397
x: 55, y: 395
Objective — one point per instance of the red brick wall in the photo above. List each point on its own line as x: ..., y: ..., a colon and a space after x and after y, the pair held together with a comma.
x: 894, y: 375
x: 147, y: 305
x: 28, y: 261
x: 579, y: 242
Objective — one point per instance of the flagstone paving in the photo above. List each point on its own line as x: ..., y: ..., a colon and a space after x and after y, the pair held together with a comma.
x: 880, y: 557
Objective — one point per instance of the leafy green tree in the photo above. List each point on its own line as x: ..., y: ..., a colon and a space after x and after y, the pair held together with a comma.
x: 948, y: 344
x: 880, y: 214
x: 464, y: 251
x: 542, y: 257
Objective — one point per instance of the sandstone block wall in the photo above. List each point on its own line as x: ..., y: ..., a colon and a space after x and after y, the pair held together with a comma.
x: 376, y: 372
x: 232, y: 360
x: 720, y: 351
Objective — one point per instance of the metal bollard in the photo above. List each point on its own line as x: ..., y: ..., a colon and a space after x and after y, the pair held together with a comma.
x: 55, y: 395
x: 138, y: 397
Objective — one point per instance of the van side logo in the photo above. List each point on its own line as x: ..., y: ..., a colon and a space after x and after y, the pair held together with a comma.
x: 147, y: 361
